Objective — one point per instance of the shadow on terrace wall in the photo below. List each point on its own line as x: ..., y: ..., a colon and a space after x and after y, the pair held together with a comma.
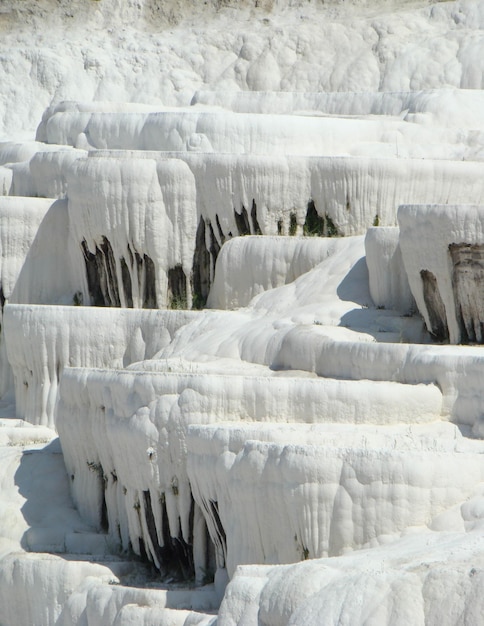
x: 42, y: 480
x: 355, y: 286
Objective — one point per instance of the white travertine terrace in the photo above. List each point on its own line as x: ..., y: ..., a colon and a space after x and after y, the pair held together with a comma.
x: 280, y: 263
x: 336, y: 491
x: 308, y: 448
x: 353, y: 190
x: 242, y: 133
x: 437, y: 107
x: 57, y: 338
x: 120, y: 411
x: 426, y: 580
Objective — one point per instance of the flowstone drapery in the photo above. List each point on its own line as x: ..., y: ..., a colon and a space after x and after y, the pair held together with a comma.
x: 242, y: 321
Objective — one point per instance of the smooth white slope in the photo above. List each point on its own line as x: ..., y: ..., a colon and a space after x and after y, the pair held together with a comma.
x: 247, y: 266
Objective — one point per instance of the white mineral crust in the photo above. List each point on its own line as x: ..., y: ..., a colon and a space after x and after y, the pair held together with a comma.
x: 308, y: 448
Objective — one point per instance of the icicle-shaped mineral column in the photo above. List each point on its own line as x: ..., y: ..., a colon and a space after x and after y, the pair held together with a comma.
x: 133, y: 223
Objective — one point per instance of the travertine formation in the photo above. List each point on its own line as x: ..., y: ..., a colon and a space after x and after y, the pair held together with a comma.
x: 255, y: 322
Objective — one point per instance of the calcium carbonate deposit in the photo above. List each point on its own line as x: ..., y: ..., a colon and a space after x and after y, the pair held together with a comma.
x: 241, y: 313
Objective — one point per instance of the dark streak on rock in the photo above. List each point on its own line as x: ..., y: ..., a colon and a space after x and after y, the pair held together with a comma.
x: 435, y: 306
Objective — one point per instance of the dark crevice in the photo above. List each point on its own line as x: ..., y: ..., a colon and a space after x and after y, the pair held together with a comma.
x: 280, y: 227
x: 151, y: 525
x: 93, y: 272
x: 220, y: 231
x: 217, y: 520
x: 175, y: 556
x: 214, y: 248
x: 210, y: 558
x: 330, y: 228
x: 127, y: 288
x: 255, y: 222
x: 221, y: 538
x: 139, y: 268
x: 142, y: 550
x: 146, y: 276
x: 103, y: 510
x: 201, y: 268
x: 102, y: 278
x: 242, y: 222
x: 184, y: 555
x: 101, y: 274
x: 131, y: 258
x: 104, y: 514
x: 177, y: 288
x: 112, y: 294
x: 149, y: 295
x: 314, y: 223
